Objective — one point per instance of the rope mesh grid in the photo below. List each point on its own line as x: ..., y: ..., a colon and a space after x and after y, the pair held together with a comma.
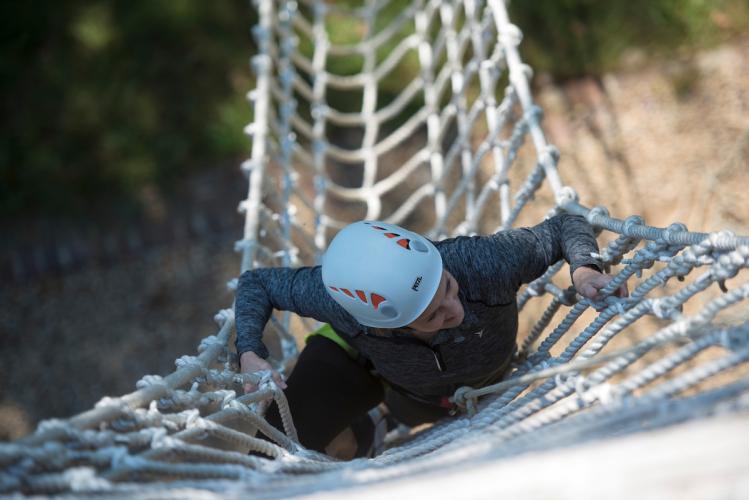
x: 470, y: 157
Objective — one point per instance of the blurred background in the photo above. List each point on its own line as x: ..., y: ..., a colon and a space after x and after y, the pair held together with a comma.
x: 122, y: 138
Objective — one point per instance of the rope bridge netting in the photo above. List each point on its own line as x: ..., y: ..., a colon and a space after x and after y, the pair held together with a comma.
x: 454, y: 148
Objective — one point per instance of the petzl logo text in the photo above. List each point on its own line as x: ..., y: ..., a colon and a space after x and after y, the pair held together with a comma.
x: 416, y: 284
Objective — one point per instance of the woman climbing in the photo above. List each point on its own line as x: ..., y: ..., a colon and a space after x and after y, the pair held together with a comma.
x: 407, y: 321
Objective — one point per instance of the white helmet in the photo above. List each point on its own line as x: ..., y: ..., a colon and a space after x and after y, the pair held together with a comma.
x: 382, y: 274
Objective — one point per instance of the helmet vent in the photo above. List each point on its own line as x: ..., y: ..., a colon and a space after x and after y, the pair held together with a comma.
x: 388, y: 311
x: 419, y: 246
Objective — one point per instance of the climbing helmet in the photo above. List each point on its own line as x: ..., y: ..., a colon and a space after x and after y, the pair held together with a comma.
x: 382, y: 274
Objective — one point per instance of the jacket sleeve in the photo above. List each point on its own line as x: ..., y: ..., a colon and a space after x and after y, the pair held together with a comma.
x: 299, y: 290
x: 507, y: 259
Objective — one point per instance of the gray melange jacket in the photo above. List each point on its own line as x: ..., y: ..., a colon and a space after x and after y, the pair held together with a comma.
x: 489, y: 270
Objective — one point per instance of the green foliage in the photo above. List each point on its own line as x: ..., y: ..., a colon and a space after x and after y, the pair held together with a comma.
x: 102, y: 98
x: 105, y: 98
x: 573, y: 38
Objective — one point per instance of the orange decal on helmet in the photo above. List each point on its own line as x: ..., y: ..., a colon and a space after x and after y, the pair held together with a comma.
x: 347, y: 292
x: 362, y: 296
x: 377, y: 300
x: 404, y: 242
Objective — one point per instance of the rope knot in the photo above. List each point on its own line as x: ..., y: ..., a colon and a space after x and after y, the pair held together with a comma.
x: 149, y: 380
x: 588, y: 394
x: 632, y: 221
x: 511, y: 35
x: 538, y: 359
x: 195, y: 421
x: 673, y: 229
x: 616, y: 303
x: 242, y: 245
x: 235, y: 404
x: 232, y: 284
x: 260, y: 63
x: 604, y: 393
x: 212, y: 340
x: 221, y: 318
x: 664, y: 309
x: 734, y: 339
x: 52, y: 424
x: 568, y: 297
x: 596, y: 212
x: 106, y: 401
x: 566, y: 195
x: 188, y: 362
x: 552, y: 152
x: 85, y: 479
x: 463, y: 399
x: 721, y: 239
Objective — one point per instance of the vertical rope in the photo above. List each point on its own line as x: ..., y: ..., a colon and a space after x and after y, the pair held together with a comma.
x: 431, y: 103
x: 319, y: 115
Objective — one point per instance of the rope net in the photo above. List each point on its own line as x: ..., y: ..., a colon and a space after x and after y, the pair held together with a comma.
x: 452, y: 146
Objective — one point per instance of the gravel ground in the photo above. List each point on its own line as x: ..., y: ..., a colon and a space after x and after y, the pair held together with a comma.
x: 69, y: 340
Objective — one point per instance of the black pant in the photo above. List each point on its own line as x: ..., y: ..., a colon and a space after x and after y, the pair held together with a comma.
x: 328, y: 390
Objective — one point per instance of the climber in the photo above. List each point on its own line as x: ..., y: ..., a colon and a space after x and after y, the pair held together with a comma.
x: 407, y: 320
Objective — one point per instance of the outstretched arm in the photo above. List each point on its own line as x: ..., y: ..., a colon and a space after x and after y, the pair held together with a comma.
x: 507, y: 259
x: 571, y: 237
x: 299, y: 290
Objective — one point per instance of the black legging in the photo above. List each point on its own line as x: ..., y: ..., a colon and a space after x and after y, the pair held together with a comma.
x: 328, y: 390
